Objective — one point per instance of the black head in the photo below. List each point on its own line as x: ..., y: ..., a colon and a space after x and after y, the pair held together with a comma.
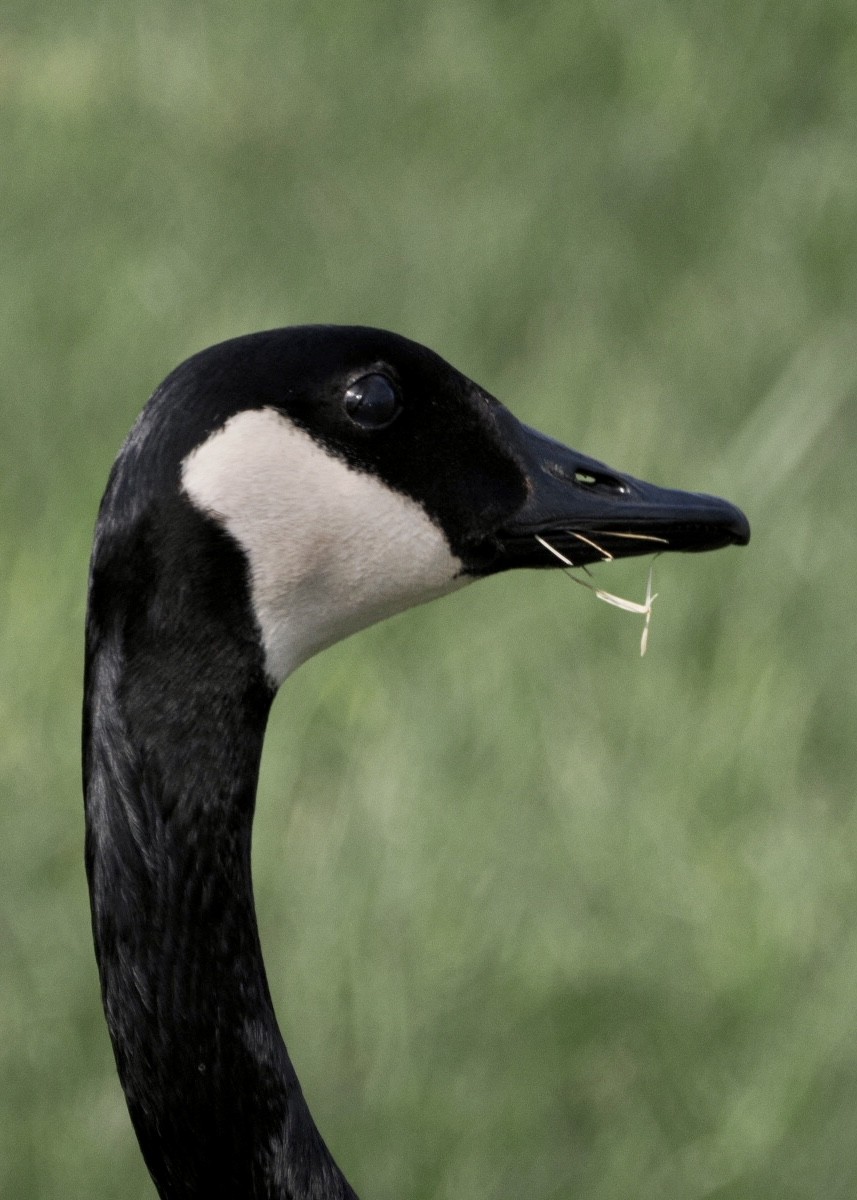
x: 361, y: 474
x: 392, y: 408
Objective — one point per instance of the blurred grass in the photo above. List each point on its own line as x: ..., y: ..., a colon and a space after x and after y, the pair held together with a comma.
x: 541, y: 919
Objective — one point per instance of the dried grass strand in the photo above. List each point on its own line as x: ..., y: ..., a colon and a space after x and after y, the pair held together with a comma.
x: 631, y: 606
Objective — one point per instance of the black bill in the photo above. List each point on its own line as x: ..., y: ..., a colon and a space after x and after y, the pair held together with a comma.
x: 587, y: 511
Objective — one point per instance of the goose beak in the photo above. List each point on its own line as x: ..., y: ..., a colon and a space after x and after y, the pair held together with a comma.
x: 588, y: 512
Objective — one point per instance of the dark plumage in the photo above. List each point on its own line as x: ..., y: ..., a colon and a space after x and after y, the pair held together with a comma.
x: 201, y: 599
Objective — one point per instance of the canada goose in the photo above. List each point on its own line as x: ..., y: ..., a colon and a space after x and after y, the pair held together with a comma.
x: 279, y: 492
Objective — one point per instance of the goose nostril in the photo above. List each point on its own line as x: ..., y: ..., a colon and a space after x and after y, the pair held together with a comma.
x: 601, y: 483
x: 595, y: 481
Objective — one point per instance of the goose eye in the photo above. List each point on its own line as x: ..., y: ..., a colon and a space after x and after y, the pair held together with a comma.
x: 372, y: 401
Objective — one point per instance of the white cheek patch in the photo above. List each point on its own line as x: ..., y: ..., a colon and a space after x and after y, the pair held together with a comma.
x: 331, y: 549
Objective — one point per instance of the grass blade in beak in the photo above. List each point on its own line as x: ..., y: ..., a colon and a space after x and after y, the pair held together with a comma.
x: 631, y: 606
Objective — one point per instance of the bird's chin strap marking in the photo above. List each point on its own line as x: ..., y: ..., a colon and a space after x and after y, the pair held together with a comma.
x: 330, y: 549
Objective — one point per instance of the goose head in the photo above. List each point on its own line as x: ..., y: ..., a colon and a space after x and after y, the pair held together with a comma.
x: 358, y: 474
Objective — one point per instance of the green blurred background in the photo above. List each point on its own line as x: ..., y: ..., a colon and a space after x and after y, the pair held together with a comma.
x: 542, y: 919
